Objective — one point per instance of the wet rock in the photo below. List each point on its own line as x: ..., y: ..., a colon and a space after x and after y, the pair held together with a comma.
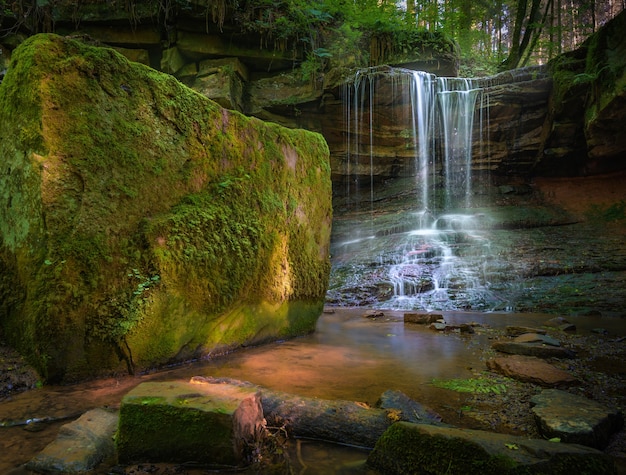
x: 517, y: 330
x: 80, y: 446
x: 420, y: 448
x: 407, y: 409
x: 179, y: 422
x: 373, y: 314
x: 531, y: 370
x: 540, y: 350
x: 575, y: 419
x: 561, y: 323
x: 466, y: 328
x: 422, y: 318
x: 536, y: 338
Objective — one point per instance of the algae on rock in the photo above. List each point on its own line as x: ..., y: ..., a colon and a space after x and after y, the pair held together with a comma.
x: 141, y: 223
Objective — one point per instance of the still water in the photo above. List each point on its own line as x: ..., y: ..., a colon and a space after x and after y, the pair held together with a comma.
x: 348, y: 357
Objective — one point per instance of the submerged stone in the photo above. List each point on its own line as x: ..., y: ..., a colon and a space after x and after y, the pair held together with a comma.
x: 575, y: 419
x: 182, y: 422
x: 80, y: 446
x: 421, y: 448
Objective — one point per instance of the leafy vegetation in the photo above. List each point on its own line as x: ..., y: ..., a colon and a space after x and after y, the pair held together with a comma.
x: 491, y: 34
x: 471, y: 385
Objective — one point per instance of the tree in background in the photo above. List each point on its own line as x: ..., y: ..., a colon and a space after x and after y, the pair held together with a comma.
x: 491, y: 34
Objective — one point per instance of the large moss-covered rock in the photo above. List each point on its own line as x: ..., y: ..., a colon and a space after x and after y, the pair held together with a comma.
x: 141, y: 223
x: 181, y: 422
x: 420, y: 448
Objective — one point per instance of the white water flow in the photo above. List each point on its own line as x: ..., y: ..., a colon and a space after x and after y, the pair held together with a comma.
x: 436, y: 258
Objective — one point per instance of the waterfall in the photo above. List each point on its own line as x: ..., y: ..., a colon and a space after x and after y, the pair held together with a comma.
x: 427, y: 124
x: 437, y: 125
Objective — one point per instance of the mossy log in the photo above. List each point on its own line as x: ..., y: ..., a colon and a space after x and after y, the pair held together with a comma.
x: 339, y: 421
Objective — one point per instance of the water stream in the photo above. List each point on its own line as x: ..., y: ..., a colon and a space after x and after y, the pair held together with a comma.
x: 348, y: 357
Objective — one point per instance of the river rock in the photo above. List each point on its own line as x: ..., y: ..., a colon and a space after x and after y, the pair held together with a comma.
x: 407, y: 409
x: 575, y: 419
x: 182, y: 422
x: 419, y: 448
x: 422, y: 318
x: 561, y: 323
x: 531, y: 370
x: 80, y: 445
x: 540, y: 350
x: 514, y: 331
x: 536, y: 338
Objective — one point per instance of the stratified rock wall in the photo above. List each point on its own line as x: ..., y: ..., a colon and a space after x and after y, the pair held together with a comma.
x: 141, y: 223
x: 584, y: 131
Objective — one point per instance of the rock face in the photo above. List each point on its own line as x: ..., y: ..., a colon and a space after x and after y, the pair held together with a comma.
x: 561, y: 120
x: 583, y: 132
x: 142, y: 224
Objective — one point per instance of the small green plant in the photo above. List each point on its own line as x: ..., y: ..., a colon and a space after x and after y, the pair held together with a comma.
x: 607, y: 213
x: 471, y: 385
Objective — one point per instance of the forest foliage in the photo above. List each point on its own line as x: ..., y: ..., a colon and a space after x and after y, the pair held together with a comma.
x: 491, y: 34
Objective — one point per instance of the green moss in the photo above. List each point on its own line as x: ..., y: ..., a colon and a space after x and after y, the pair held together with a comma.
x: 122, y: 175
x: 402, y: 449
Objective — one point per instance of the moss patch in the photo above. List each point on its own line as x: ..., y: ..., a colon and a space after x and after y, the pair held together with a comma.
x: 136, y: 214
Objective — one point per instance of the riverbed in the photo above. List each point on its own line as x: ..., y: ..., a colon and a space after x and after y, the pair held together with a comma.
x: 350, y: 356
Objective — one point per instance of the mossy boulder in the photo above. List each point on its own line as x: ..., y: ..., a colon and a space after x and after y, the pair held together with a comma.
x: 420, y: 448
x: 181, y: 422
x: 142, y: 224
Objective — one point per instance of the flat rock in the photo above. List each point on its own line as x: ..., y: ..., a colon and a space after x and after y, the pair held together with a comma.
x: 575, y: 419
x: 407, y: 409
x: 80, y: 445
x: 540, y: 350
x: 512, y: 330
x: 422, y: 318
x: 561, y: 323
x: 374, y: 314
x: 420, y: 448
x: 536, y: 338
x: 531, y: 370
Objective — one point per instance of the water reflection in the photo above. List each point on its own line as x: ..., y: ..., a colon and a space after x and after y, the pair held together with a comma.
x: 348, y: 357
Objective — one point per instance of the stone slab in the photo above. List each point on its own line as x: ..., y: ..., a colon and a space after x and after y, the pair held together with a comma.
x: 540, y: 350
x: 421, y: 448
x: 422, y: 318
x: 182, y: 421
x: 574, y: 418
x: 80, y: 445
x: 531, y: 370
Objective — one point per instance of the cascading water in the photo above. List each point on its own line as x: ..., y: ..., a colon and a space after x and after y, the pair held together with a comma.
x: 437, y: 256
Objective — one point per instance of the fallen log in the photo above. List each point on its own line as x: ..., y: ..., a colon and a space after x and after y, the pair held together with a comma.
x: 339, y: 421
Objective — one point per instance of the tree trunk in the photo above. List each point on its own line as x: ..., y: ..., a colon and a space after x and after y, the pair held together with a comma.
x: 338, y: 421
